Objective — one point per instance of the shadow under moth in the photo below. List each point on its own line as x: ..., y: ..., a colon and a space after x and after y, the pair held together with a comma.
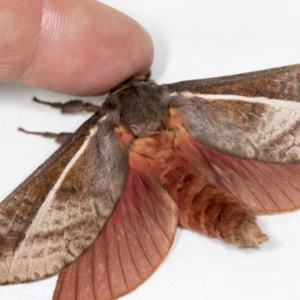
x: 206, y: 155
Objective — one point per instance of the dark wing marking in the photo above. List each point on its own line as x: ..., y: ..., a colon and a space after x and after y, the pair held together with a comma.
x: 132, y: 245
x: 56, y: 214
x: 278, y: 83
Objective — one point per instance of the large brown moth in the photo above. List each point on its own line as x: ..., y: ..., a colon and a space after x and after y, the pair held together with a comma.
x: 206, y: 155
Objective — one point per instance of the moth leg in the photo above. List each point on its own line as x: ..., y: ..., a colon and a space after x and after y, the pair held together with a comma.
x: 71, y: 106
x: 60, y: 138
x: 215, y: 213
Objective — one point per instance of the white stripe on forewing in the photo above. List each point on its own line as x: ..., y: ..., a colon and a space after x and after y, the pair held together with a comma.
x: 34, y: 227
x: 286, y: 114
x: 276, y: 103
x: 70, y: 165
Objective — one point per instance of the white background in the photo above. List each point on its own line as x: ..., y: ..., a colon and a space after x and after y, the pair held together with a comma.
x: 193, y: 39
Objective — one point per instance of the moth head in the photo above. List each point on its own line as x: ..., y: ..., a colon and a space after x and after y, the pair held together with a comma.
x: 141, y: 105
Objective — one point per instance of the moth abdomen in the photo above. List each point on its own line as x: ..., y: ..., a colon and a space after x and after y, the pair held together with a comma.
x: 203, y: 207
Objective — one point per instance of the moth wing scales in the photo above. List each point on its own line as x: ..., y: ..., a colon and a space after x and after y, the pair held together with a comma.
x: 247, y: 127
x: 38, y: 237
x: 134, y: 242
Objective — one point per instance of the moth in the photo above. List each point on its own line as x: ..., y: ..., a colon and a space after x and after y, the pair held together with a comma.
x: 206, y: 155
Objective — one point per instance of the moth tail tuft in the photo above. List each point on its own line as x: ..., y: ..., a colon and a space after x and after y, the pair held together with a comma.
x: 248, y: 234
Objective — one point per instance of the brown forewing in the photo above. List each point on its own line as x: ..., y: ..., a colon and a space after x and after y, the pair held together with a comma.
x: 253, y: 128
x: 55, y: 215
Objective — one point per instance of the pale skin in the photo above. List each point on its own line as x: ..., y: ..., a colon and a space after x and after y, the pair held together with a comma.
x: 79, y: 47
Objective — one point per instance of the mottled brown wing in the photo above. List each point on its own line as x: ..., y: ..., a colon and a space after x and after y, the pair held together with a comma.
x: 278, y: 83
x: 56, y: 214
x: 247, y: 127
x: 132, y: 245
x: 262, y: 187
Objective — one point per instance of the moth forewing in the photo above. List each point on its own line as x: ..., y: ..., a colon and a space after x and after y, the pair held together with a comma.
x: 248, y: 127
x: 55, y: 215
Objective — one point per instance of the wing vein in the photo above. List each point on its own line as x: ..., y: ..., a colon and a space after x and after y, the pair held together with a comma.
x: 120, y: 261
x: 259, y: 184
x: 106, y: 250
x: 130, y: 251
x: 93, y: 259
x: 291, y: 183
x: 76, y: 281
x: 155, y: 211
x: 139, y: 242
x: 270, y: 179
x: 147, y: 229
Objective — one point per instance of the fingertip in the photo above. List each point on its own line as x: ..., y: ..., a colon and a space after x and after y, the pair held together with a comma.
x: 93, y: 49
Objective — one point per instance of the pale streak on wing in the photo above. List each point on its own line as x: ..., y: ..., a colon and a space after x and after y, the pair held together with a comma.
x: 40, y: 225
x: 273, y: 102
x: 277, y: 83
x: 70, y: 165
x: 55, y: 215
x: 247, y: 127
